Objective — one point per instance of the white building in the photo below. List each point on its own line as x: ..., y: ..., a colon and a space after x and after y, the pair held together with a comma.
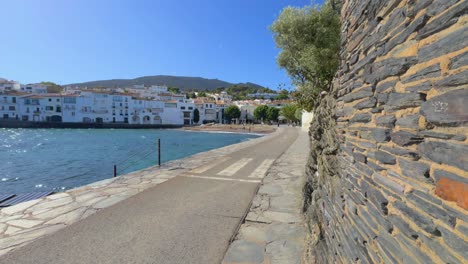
x: 106, y: 106
x: 9, y: 86
x: 9, y: 105
x: 36, y: 88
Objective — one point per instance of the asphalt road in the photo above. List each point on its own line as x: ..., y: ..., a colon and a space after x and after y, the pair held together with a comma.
x: 188, y: 219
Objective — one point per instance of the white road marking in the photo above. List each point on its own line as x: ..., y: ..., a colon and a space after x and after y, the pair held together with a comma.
x: 209, y: 166
x: 221, y: 179
x: 231, y: 170
x: 261, y: 170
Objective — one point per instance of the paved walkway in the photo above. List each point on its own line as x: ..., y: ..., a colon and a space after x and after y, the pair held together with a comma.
x: 274, y: 230
x: 187, y: 218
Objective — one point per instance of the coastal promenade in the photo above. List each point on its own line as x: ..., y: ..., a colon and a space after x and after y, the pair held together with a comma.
x: 185, y: 212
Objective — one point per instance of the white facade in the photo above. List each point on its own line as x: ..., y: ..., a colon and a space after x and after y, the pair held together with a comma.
x: 106, y: 106
x: 9, y: 86
x: 34, y: 88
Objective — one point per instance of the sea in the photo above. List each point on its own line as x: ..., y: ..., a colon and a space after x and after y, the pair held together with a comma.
x: 36, y: 160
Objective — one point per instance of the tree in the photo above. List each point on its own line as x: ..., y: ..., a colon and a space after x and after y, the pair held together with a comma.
x: 53, y: 87
x: 173, y: 89
x: 289, y: 112
x: 232, y: 112
x: 196, y: 115
x: 201, y: 94
x: 309, y: 39
x: 260, y: 113
x: 298, y: 114
x: 272, y: 113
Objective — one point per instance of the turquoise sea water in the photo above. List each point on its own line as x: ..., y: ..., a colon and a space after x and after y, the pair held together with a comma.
x: 59, y: 159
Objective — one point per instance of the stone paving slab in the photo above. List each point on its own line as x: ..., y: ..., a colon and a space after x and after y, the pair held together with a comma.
x: 25, y: 222
x: 274, y: 231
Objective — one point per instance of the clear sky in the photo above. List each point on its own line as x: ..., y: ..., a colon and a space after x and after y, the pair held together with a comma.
x: 68, y: 41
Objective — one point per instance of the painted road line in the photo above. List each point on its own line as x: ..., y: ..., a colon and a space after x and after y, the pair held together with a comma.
x: 231, y: 170
x: 211, y: 165
x: 220, y: 179
x: 261, y: 170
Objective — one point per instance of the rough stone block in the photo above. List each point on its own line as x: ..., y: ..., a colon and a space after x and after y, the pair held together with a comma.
x: 452, y: 80
x: 385, y: 158
x: 432, y: 134
x: 385, y: 85
x: 402, y: 152
x: 403, y: 138
x: 380, y: 134
x: 356, y: 95
x: 398, y: 101
x: 420, y: 220
x: 450, y: 43
x: 445, y: 19
x: 404, y: 227
x: 445, y: 153
x: 426, y: 73
x: 439, y: 250
x: 361, y: 118
x: 420, y: 87
x: 386, y: 121
x: 386, y: 68
x: 366, y: 104
x: 431, y: 209
x: 382, y: 98
x: 387, y: 182
x: 416, y: 170
x: 359, y: 157
x: 459, y: 61
x: 454, y: 241
x: 452, y: 190
x: 409, y: 121
x: 448, y: 109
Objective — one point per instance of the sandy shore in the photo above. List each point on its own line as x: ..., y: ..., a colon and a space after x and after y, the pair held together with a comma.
x: 261, y: 129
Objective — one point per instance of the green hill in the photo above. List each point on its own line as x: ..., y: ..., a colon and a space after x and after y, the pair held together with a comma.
x: 183, y: 83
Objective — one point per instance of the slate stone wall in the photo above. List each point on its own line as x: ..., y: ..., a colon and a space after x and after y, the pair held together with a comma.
x: 387, y: 179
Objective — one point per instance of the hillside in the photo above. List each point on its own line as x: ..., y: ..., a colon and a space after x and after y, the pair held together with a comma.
x: 183, y: 83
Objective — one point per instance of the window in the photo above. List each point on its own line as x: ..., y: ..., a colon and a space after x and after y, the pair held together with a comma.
x: 190, y: 108
x: 182, y: 107
x: 69, y: 100
x: 49, y: 108
x: 11, y: 108
x: 13, y: 99
x: 58, y: 99
x: 72, y: 113
x: 50, y: 99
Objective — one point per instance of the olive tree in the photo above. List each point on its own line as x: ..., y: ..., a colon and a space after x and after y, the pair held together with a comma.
x: 232, y: 112
x: 260, y: 113
x: 309, y: 39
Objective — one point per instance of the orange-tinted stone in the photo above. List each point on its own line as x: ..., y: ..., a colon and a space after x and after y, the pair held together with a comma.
x: 453, y: 191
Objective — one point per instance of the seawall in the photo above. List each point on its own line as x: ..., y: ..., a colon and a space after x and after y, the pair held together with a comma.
x: 387, y: 177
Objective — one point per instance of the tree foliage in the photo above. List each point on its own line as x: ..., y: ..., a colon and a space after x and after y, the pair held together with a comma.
x: 196, y: 115
x: 173, y: 90
x: 232, y: 112
x: 53, y: 87
x: 240, y: 91
x: 309, y: 39
x: 289, y: 112
x: 272, y: 113
x: 260, y: 113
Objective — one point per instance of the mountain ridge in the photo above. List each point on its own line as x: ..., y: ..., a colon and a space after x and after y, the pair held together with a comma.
x: 184, y: 83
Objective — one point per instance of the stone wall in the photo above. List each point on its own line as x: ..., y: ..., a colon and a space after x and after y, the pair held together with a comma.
x: 387, y: 179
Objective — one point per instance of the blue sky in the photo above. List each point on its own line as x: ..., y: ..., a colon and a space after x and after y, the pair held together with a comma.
x: 67, y: 41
